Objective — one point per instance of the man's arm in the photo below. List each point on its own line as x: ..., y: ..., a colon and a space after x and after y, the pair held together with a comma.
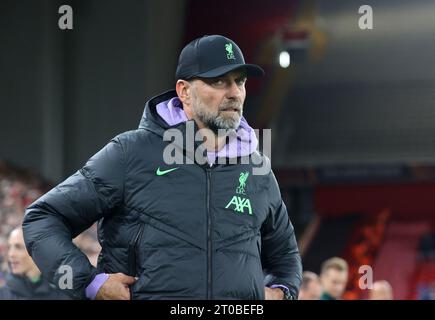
x: 52, y: 221
x: 280, y: 255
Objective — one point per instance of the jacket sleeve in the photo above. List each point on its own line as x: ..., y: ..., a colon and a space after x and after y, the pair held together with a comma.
x: 52, y: 221
x: 280, y: 255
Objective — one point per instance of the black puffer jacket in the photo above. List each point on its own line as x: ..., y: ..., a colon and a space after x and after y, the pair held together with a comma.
x: 190, y: 233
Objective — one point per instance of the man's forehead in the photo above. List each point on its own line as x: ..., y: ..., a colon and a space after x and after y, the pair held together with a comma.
x: 334, y: 272
x: 16, y: 234
x: 233, y: 74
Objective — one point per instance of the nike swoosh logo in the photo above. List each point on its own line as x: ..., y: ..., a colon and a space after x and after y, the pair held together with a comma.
x: 162, y: 172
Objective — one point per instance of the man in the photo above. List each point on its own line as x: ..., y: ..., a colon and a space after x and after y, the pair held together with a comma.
x: 311, y: 288
x: 333, y: 277
x: 382, y: 290
x: 201, y: 229
x: 25, y: 281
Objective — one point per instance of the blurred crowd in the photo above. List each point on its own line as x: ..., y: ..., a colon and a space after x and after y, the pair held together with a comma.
x: 333, y: 280
x: 18, y: 189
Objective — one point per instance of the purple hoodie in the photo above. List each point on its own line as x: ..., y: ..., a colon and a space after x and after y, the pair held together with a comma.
x: 242, y: 144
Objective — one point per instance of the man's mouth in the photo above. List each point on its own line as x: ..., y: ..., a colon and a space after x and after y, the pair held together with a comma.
x: 232, y: 110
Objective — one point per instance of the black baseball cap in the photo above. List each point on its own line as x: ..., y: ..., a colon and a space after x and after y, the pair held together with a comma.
x: 212, y: 56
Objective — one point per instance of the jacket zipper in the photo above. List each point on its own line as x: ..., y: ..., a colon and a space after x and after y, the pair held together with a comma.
x: 209, y: 235
x: 137, y: 238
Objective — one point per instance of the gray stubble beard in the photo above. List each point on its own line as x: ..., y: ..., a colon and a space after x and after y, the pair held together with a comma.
x: 215, y: 120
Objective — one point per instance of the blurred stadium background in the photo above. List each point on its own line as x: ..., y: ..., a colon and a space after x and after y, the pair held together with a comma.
x: 352, y: 116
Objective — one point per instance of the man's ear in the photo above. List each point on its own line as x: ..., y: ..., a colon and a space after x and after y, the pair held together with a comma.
x: 183, y: 91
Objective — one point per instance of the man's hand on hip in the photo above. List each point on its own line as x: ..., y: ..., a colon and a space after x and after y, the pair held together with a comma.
x: 116, y: 287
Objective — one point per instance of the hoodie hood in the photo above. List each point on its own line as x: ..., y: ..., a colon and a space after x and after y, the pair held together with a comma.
x: 166, y: 111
